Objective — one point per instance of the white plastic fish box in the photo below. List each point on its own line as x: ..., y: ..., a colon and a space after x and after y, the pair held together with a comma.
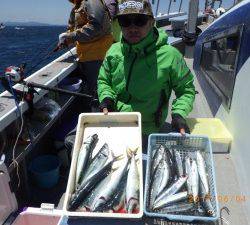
x: 120, y: 131
x: 38, y: 217
x: 187, y: 144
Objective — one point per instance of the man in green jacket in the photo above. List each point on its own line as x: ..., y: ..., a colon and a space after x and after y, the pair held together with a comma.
x: 139, y: 72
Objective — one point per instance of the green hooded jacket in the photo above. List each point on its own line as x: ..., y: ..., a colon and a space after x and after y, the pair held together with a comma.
x: 141, y: 77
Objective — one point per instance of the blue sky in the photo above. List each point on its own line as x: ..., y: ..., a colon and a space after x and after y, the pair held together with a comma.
x: 57, y: 11
x: 46, y: 11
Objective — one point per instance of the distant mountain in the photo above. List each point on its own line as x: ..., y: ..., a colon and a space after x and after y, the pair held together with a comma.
x: 26, y: 24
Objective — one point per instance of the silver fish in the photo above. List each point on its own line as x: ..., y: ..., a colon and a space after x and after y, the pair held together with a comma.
x: 118, y: 201
x: 170, y: 199
x: 84, y: 190
x: 194, y: 180
x: 179, y: 165
x: 97, y: 163
x: 181, y: 207
x: 159, y: 181
x: 157, y: 158
x: 172, y: 189
x: 108, y: 191
x: 202, y: 171
x: 206, y: 201
x: 166, y: 173
x: 188, y: 173
x: 83, y: 156
x: 154, y: 150
x: 132, y: 189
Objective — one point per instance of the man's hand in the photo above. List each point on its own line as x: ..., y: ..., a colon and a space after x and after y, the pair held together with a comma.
x: 64, y: 40
x: 105, y: 111
x: 179, y: 124
x: 107, y: 105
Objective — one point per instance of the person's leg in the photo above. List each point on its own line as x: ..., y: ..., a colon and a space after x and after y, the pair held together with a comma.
x: 90, y: 71
x: 89, y: 74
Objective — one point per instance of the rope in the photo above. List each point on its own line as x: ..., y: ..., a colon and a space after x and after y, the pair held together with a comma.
x: 20, y: 131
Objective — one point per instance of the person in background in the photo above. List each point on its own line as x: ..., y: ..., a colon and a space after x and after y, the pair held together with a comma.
x: 139, y: 72
x: 89, y: 27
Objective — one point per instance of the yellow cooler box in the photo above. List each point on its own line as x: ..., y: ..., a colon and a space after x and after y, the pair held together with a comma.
x: 214, y: 129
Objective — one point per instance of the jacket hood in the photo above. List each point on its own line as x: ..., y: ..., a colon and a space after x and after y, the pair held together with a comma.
x: 154, y: 40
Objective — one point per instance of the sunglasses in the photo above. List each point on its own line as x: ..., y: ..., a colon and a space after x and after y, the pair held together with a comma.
x: 137, y: 20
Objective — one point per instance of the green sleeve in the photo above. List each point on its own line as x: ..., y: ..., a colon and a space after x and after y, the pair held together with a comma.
x: 183, y: 85
x: 104, y: 82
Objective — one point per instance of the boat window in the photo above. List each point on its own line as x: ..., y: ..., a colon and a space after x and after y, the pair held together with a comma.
x: 219, y: 61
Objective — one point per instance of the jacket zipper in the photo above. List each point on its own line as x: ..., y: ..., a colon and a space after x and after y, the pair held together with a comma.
x: 130, y: 71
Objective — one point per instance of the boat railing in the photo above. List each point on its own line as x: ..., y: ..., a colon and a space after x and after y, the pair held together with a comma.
x: 178, y: 6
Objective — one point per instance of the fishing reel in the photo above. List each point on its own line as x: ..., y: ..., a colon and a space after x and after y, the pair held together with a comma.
x: 13, y: 75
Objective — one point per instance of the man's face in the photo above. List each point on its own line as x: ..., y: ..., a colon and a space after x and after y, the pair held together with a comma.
x: 135, y: 27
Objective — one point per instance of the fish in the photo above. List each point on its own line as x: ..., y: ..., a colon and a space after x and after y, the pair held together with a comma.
x: 206, y: 201
x: 83, y: 156
x: 97, y: 162
x: 109, y: 190
x: 118, y: 202
x: 172, y: 189
x: 188, y: 173
x: 84, y: 190
x: 178, y: 162
x: 114, y: 204
x: 202, y: 171
x: 170, y: 199
x: 132, y: 187
x: 158, y: 154
x: 194, y: 181
x: 159, y: 181
x: 181, y: 207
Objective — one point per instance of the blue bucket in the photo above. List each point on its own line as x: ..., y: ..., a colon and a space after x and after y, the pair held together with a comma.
x: 45, y: 170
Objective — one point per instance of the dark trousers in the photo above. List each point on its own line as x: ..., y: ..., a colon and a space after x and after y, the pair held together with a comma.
x: 89, y: 73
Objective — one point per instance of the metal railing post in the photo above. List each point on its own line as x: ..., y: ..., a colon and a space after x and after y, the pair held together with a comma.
x: 180, y: 6
x: 157, y: 7
x: 191, y: 24
x: 169, y: 6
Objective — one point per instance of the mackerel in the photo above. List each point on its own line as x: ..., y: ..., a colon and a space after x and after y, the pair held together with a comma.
x: 132, y: 188
x: 188, y: 173
x: 172, y: 189
x: 97, y: 163
x: 179, y: 165
x: 159, y: 180
x: 171, y: 199
x: 84, y: 190
x: 202, y: 171
x: 157, y: 158
x: 181, y: 207
x: 109, y: 190
x: 206, y: 201
x: 194, y: 180
x: 84, y: 155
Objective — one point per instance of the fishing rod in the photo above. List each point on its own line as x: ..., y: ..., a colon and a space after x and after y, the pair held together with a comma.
x: 16, y: 75
x: 58, y: 90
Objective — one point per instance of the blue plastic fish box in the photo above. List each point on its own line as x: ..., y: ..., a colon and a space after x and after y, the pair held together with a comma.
x: 186, y: 145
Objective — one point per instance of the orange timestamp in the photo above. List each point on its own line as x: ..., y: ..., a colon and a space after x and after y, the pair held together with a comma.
x: 221, y: 198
